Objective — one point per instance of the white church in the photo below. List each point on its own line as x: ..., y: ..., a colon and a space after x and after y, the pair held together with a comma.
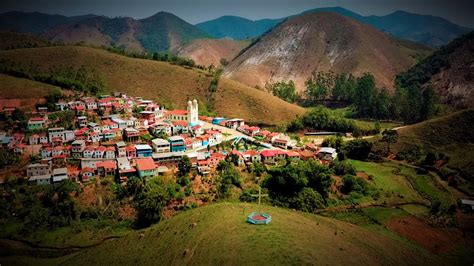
x: 190, y: 115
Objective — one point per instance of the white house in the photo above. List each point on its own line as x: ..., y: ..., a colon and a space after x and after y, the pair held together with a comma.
x: 327, y: 153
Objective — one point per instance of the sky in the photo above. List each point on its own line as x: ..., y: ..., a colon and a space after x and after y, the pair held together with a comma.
x: 194, y: 11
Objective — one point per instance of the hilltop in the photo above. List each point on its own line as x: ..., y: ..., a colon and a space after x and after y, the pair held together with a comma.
x: 321, y: 42
x: 15, y: 40
x: 449, y: 70
x: 210, y: 51
x: 237, y: 28
x: 35, y: 22
x: 429, y: 30
x: 218, y: 234
x: 160, y: 32
x: 170, y: 84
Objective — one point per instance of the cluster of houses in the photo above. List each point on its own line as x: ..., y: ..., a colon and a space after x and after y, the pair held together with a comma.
x: 114, y: 136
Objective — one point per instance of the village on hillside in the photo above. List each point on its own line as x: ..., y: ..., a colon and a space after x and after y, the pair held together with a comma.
x: 123, y: 136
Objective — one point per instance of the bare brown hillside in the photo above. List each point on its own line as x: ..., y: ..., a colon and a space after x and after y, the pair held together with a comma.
x: 455, y: 83
x: 162, y: 81
x: 211, y: 51
x: 321, y: 42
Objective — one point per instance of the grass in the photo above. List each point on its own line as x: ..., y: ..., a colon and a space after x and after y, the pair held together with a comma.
x: 393, y: 188
x: 162, y: 81
x: 19, y: 88
x: 427, y: 186
x: 218, y: 234
x: 451, y: 135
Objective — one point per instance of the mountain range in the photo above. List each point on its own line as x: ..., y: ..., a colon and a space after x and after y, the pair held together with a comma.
x: 429, y: 30
x: 321, y: 42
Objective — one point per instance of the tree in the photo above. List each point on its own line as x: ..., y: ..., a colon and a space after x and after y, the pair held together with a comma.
x: 358, y: 149
x: 184, y: 166
x: 285, y: 91
x: 8, y: 158
x: 307, y: 200
x: 227, y: 178
x: 389, y: 137
x: 151, y: 203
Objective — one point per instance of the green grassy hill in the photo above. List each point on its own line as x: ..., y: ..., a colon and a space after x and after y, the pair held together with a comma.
x: 218, y: 234
x: 161, y: 81
x: 451, y: 134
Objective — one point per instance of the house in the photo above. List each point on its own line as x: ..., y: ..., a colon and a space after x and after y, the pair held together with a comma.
x: 87, y: 173
x: 88, y: 152
x: 41, y: 179
x: 143, y: 150
x: 38, y: 169
x: 272, y: 156
x: 77, y: 148
x: 234, y: 123
x: 56, y: 132
x: 94, y: 127
x: 148, y: 116
x: 215, y: 137
x: 284, y: 142
x: 120, y: 146
x: 82, y: 121
x: 46, y: 152
x: 19, y: 148
x: 215, y: 158
x: 167, y: 157
x: 293, y: 155
x: 177, y: 115
x: 177, y: 144
x: 179, y: 127
x: 203, y: 167
x: 34, y: 139
x: 94, y: 137
x: 43, y: 139
x: 327, y: 154
x: 99, y: 152
x: 59, y: 174
x: 91, y: 104
x: 131, y: 151
x: 120, y: 122
x: 131, y: 134
x: 146, y: 167
x: 36, y: 123
x: 42, y: 110
x: 252, y: 156
x: 306, y: 155
x: 109, y: 153
x: 108, y: 135
x: 106, y: 168
x: 69, y: 135
x: 162, y: 128
x: 239, y: 157
x: 160, y: 145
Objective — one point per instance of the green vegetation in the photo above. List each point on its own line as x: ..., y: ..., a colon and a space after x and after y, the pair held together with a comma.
x: 81, y: 79
x: 300, y: 185
x: 291, y: 237
x: 422, y: 72
x: 410, y: 104
x: 284, y: 90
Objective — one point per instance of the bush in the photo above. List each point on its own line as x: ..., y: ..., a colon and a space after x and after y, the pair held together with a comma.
x: 358, y: 149
x: 307, y: 200
x: 343, y: 168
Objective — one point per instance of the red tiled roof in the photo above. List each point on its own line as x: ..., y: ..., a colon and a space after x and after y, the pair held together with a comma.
x: 180, y: 123
x: 144, y: 164
x: 107, y: 164
x: 271, y: 153
x: 251, y: 152
x: 292, y: 154
x: 130, y: 148
x: 87, y: 169
x: 178, y: 112
x: 37, y: 119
